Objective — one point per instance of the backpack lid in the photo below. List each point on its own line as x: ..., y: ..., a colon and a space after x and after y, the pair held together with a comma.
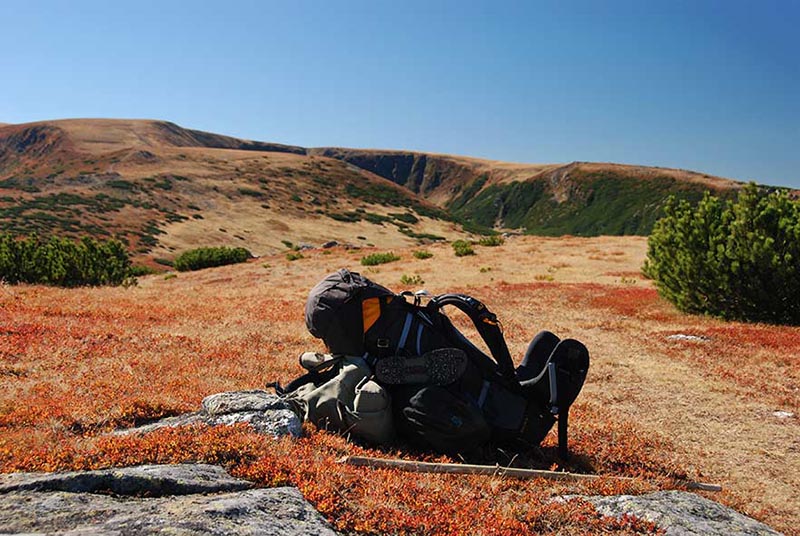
x: 334, y: 312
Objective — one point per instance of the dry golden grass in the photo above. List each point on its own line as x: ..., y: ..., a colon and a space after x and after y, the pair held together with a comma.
x: 76, y: 363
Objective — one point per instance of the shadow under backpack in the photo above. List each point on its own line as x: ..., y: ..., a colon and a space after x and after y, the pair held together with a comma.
x: 397, y: 369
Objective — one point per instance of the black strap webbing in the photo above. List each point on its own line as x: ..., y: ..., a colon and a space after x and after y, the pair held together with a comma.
x: 487, y: 325
x: 322, y: 373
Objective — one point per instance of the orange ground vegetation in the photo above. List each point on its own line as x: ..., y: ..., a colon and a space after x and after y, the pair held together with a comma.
x: 76, y: 364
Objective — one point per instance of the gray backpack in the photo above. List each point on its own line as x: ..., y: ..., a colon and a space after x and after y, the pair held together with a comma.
x: 338, y: 394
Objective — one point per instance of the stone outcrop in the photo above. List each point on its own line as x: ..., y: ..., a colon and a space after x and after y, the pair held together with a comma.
x: 166, y: 499
x: 680, y: 513
x: 265, y: 412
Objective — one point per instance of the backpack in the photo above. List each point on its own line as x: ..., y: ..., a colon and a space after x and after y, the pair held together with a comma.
x: 338, y: 393
x: 479, y: 398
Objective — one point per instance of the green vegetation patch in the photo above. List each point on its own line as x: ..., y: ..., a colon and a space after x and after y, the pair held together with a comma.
x: 63, y: 262
x: 197, y: 259
x: 22, y: 184
x: 599, y: 203
x: 491, y: 241
x: 731, y: 259
x: 462, y: 248
x: 122, y: 184
x: 379, y: 258
x: 252, y: 193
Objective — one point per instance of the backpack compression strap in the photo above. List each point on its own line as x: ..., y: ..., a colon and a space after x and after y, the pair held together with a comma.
x: 487, y: 325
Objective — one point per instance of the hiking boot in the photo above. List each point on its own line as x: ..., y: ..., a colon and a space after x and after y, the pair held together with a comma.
x: 442, y: 366
x: 562, y: 377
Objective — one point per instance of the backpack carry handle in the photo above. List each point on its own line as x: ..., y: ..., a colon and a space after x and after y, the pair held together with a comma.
x: 487, y: 325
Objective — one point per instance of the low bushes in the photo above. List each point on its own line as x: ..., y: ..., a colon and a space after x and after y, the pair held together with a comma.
x: 379, y: 258
x: 736, y: 259
x: 197, y: 259
x: 63, y: 262
x: 491, y: 241
x: 463, y: 248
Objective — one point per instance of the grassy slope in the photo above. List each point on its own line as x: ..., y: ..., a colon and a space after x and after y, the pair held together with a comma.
x: 601, y: 203
x: 585, y: 199
x: 158, y: 188
x: 75, y: 363
x: 164, y: 189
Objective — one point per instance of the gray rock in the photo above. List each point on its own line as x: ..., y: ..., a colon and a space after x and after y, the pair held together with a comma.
x: 280, y: 511
x: 150, y: 480
x: 265, y: 412
x: 680, y: 513
x: 330, y: 244
x: 240, y: 401
x: 168, y: 422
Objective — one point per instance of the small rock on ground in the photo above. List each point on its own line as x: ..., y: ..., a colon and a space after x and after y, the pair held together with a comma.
x: 265, y: 412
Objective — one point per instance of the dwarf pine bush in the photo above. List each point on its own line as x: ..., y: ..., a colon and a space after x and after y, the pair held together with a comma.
x: 197, y: 259
x: 63, y: 262
x: 462, y: 248
x: 375, y: 259
x: 736, y: 260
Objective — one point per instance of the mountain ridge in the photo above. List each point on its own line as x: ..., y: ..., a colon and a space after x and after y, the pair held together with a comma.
x: 163, y: 188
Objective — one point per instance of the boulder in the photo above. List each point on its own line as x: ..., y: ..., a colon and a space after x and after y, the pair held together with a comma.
x: 265, y: 412
x: 680, y: 513
x: 166, y: 499
x: 150, y: 480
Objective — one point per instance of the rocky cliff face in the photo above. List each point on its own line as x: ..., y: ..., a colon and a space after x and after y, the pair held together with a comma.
x: 431, y: 176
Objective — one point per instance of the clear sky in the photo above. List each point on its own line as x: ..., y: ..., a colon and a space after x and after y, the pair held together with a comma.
x: 712, y: 86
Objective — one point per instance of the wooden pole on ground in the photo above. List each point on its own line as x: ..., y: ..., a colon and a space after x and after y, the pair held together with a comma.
x: 493, y: 470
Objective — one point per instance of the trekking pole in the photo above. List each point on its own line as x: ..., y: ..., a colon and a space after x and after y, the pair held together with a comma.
x: 491, y: 470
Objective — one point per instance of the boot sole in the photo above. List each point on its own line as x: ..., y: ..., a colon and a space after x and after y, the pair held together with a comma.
x: 442, y: 366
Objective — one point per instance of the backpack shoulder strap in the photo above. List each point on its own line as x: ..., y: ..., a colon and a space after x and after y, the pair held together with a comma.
x: 487, y: 325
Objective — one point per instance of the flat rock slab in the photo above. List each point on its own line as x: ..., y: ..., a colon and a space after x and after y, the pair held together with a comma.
x: 682, y: 514
x: 142, y: 480
x: 181, y: 499
x: 265, y: 412
x: 279, y: 511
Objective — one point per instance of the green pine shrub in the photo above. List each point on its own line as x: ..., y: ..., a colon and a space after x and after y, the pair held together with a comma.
x: 732, y: 259
x: 63, y: 262
x: 463, y: 248
x: 491, y: 241
x: 197, y: 259
x: 422, y: 254
x: 415, y: 279
x: 375, y: 259
x: 294, y: 256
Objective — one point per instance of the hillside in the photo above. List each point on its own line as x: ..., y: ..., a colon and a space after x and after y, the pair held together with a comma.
x: 579, y: 198
x: 163, y: 188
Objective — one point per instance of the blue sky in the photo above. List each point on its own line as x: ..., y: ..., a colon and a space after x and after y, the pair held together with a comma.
x: 712, y: 86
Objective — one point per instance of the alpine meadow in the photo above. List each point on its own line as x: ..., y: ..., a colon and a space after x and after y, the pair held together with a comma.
x: 212, y: 243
